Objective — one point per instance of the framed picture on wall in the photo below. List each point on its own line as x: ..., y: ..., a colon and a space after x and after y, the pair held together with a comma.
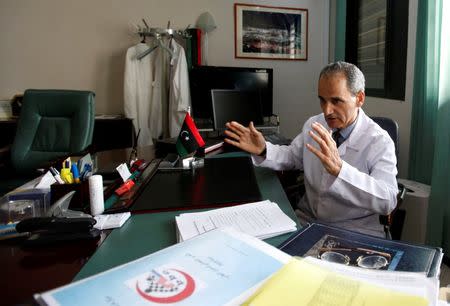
x: 268, y: 32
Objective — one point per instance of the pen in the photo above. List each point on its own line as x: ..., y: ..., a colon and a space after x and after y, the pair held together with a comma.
x: 87, y: 171
x: 75, y: 173
x: 66, y: 163
x: 56, y: 175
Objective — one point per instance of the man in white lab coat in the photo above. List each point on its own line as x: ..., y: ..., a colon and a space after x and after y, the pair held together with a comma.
x: 350, y: 179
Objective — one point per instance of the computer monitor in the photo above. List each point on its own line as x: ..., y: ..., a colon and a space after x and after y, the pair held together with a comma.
x: 235, y: 105
x: 203, y: 79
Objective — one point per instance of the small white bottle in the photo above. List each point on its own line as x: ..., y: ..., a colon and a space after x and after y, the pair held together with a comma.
x: 96, y: 194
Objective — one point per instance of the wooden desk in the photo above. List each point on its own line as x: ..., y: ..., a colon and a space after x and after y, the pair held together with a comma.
x: 28, y: 271
x: 32, y: 271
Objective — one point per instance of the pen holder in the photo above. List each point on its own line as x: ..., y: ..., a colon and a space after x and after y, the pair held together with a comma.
x: 80, y: 200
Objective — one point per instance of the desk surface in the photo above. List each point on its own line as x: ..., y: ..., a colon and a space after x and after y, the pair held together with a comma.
x: 147, y: 233
x: 26, y: 272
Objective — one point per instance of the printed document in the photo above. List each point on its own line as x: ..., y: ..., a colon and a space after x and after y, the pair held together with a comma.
x: 262, y: 219
x: 311, y: 281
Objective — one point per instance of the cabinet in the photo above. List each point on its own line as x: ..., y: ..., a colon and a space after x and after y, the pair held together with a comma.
x: 109, y: 133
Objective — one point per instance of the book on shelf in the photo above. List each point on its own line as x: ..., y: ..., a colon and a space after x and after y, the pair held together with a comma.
x: 355, y: 249
x: 263, y: 219
x: 221, y: 267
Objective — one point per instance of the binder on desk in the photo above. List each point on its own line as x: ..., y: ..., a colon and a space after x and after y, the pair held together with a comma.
x: 333, y: 243
x: 221, y: 182
x: 220, y: 267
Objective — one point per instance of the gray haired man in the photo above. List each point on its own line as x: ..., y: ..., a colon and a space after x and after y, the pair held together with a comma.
x: 348, y: 161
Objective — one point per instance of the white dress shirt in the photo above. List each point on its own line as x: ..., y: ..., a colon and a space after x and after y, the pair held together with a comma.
x: 365, y: 187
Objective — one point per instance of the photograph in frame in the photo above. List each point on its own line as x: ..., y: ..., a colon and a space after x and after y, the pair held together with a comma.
x: 267, y: 32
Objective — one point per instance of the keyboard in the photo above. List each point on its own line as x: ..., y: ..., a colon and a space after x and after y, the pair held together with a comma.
x: 278, y: 139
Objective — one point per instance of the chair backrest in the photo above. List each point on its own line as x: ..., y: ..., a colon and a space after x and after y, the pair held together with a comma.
x: 391, y: 127
x: 52, y: 123
x: 393, y: 223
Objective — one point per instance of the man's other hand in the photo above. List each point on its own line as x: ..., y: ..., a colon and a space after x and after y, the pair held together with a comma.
x: 328, y: 153
x: 245, y: 138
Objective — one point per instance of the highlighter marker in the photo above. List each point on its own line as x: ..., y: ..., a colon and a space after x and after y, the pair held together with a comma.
x: 66, y: 175
x: 75, y: 173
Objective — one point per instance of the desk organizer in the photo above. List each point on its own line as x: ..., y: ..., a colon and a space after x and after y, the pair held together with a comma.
x: 80, y: 200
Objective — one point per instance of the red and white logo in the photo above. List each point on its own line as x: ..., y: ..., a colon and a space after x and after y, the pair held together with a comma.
x: 163, y: 285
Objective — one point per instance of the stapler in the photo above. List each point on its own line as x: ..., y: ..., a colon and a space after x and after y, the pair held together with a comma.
x: 59, y: 225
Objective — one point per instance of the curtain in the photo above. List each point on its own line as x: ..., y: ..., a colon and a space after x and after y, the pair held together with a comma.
x: 430, y: 123
x: 425, y: 93
x: 339, y: 34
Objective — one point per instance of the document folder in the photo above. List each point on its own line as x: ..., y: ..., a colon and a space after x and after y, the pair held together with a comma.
x: 316, y: 238
x: 221, y: 182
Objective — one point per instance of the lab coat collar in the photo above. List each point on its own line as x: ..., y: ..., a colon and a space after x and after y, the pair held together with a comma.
x: 353, y: 140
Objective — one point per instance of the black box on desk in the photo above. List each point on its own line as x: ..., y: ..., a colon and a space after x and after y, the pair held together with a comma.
x: 79, y: 201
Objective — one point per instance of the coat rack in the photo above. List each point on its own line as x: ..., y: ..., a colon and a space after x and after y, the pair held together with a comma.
x: 159, y: 33
x: 147, y: 31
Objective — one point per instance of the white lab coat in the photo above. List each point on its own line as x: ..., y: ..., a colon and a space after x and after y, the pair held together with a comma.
x: 158, y: 122
x: 365, y: 187
x: 179, y: 95
x: 138, y: 80
x: 156, y: 90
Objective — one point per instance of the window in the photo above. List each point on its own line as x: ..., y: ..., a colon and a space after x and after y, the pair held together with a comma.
x: 376, y: 41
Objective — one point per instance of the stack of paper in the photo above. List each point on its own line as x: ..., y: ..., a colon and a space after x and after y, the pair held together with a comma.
x: 325, y: 283
x: 262, y: 219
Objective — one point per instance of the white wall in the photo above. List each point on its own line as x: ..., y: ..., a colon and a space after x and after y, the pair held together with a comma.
x: 81, y: 45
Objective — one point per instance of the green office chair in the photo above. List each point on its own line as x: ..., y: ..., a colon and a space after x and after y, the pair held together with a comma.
x: 52, y: 124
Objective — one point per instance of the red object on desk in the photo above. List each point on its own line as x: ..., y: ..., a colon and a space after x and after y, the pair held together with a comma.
x: 125, y: 187
x: 137, y: 165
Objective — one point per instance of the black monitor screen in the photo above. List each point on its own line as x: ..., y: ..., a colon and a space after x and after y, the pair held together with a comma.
x: 204, y: 78
x: 237, y: 105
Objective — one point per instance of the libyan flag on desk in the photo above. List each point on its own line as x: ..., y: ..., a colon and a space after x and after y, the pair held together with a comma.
x: 189, y: 139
